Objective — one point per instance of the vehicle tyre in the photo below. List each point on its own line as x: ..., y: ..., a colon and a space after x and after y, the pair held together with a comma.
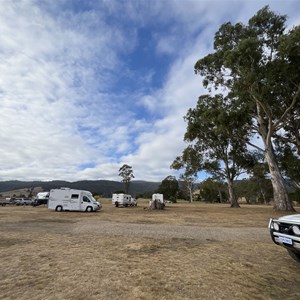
x: 59, y: 208
x: 117, y: 204
x: 89, y: 209
x: 295, y: 256
x: 126, y: 205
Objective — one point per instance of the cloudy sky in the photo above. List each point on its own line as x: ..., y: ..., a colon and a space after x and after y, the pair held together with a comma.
x: 86, y: 86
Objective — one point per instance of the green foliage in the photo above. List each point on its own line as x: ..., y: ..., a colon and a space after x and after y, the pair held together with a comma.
x: 97, y: 196
x: 257, y: 65
x: 173, y: 199
x: 295, y: 196
x: 255, y: 190
x: 147, y: 195
x: 169, y: 187
x: 214, y: 130
x: 183, y: 194
x: 190, y: 161
x: 213, y: 190
x: 289, y: 161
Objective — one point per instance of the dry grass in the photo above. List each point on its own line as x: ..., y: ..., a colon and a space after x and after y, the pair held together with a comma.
x: 43, y: 255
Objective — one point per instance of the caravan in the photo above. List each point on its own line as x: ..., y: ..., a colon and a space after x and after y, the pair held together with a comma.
x: 70, y: 199
x: 123, y: 200
x: 158, y: 197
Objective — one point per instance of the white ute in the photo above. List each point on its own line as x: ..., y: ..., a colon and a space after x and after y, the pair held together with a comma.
x: 123, y: 200
x: 285, y: 232
x: 75, y: 200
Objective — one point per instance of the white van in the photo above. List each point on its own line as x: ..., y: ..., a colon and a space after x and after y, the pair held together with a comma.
x: 69, y: 199
x: 123, y: 200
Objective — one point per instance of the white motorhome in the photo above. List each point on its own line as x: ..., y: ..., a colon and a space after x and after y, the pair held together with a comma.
x: 158, y: 198
x: 70, y: 199
x: 123, y: 200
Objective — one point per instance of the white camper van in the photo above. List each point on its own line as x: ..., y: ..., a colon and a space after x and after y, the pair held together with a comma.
x: 69, y: 199
x: 158, y: 198
x: 123, y: 200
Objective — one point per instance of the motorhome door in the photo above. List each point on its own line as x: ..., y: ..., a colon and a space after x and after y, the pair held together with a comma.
x: 74, y: 202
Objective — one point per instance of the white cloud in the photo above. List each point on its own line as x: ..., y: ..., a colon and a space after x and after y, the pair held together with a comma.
x: 60, y: 106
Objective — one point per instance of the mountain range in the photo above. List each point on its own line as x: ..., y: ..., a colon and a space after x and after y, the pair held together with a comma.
x: 104, y: 188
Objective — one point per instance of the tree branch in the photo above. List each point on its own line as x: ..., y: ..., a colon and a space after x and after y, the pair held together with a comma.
x: 296, y: 96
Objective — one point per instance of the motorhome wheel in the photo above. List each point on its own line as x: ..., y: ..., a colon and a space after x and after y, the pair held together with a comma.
x: 59, y: 208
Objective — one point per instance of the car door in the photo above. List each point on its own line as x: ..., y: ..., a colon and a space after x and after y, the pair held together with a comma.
x: 85, y: 202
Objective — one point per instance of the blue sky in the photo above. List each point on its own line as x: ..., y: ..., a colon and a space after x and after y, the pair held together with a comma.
x: 86, y: 86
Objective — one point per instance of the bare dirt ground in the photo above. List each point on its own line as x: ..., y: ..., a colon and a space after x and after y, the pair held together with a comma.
x: 188, y: 251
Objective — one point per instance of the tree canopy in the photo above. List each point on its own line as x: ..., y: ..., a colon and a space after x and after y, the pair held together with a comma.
x: 169, y: 188
x: 257, y: 66
x: 213, y: 131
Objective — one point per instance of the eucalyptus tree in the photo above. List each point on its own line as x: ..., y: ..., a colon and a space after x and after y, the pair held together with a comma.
x: 213, y: 190
x: 213, y: 130
x: 258, y: 184
x: 169, y: 187
x: 126, y: 173
x: 189, y: 184
x: 289, y: 52
x: 189, y: 162
x: 254, y: 63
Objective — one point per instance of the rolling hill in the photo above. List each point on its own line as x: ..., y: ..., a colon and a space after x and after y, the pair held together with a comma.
x: 101, y: 187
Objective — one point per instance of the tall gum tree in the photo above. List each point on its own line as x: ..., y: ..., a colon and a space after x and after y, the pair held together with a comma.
x: 212, y: 131
x: 249, y: 61
x: 189, y: 161
x: 126, y: 173
x: 289, y: 52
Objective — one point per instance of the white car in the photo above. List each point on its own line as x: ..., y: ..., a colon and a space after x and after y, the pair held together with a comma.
x: 285, y: 231
x: 23, y: 201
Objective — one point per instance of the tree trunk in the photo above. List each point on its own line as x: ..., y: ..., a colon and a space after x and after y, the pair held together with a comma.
x: 280, y: 195
x: 232, y: 196
x: 126, y: 187
x: 191, y: 195
x: 220, y: 196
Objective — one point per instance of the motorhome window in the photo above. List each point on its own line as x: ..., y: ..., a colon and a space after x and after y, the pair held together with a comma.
x: 75, y: 196
x: 86, y: 199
